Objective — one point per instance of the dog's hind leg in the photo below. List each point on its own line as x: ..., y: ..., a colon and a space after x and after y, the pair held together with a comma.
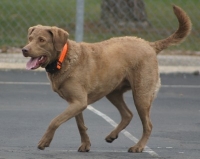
x: 116, y: 98
x: 143, y: 105
x: 145, y: 83
x: 85, y: 141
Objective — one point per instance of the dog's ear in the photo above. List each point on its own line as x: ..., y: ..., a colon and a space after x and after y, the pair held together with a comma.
x: 60, y: 37
x: 31, y: 29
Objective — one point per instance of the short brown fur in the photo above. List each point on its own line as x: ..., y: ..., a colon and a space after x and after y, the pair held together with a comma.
x: 92, y: 71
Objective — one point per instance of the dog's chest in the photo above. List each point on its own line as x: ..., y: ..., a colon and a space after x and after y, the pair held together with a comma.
x: 55, y: 82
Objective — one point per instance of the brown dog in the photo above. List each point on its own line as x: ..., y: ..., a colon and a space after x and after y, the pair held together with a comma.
x: 89, y: 72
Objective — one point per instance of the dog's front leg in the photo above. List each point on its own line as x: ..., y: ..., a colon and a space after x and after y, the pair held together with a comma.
x: 73, y: 110
x: 85, y: 141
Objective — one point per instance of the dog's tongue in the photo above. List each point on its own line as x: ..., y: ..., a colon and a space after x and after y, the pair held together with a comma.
x: 33, y: 63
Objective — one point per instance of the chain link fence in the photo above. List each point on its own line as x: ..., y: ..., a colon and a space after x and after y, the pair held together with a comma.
x: 103, y: 19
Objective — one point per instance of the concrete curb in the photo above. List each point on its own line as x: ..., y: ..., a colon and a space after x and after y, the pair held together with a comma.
x: 179, y: 69
x: 167, y: 63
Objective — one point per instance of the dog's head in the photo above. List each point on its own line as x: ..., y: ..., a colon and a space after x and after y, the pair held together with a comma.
x: 44, y: 45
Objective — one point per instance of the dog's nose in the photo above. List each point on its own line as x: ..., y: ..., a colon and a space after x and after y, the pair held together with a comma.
x: 25, y: 52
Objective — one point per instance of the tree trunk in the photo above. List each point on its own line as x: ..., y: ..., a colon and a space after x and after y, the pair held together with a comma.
x: 119, y: 13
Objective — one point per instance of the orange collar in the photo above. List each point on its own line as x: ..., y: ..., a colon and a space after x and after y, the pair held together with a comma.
x: 62, y: 56
x: 56, y: 65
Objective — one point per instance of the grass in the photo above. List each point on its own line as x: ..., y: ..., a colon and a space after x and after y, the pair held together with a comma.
x: 17, y: 16
x: 164, y: 13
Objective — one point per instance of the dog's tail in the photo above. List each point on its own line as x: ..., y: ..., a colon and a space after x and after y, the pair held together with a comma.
x: 179, y: 35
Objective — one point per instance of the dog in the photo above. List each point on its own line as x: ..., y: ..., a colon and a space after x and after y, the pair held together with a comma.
x: 82, y: 73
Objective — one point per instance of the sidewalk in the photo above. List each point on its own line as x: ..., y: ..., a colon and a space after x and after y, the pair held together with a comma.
x: 178, y: 64
x: 167, y: 63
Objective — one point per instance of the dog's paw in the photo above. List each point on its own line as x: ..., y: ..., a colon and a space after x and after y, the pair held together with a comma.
x: 110, y: 138
x: 85, y: 147
x: 136, y: 149
x: 45, y: 142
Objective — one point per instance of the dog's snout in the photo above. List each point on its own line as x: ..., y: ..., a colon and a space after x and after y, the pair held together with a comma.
x: 25, y: 52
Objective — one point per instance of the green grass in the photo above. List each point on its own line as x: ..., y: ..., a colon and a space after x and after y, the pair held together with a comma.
x: 17, y: 16
x: 162, y: 10
x: 160, y: 15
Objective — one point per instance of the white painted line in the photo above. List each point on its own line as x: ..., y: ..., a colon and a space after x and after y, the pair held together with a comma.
x: 47, y: 83
x: 93, y: 150
x: 180, y: 86
x: 126, y: 133
x: 25, y: 83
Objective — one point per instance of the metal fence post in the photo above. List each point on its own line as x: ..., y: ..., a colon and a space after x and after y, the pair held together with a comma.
x: 79, y: 20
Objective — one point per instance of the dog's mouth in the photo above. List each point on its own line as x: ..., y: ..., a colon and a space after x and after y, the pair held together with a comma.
x: 35, y: 62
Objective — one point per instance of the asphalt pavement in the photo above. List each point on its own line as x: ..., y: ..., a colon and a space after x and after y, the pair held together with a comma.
x: 27, y: 105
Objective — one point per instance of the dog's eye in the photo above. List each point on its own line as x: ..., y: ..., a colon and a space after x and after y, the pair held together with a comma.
x: 41, y: 40
x: 30, y: 39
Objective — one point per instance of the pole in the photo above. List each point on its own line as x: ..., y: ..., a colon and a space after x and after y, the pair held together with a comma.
x: 79, y: 20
